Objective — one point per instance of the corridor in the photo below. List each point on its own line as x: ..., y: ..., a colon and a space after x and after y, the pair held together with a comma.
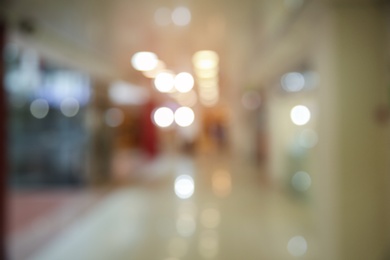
x: 233, y: 213
x: 174, y: 130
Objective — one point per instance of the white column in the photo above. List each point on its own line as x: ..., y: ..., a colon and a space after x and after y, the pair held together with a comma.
x: 353, y: 144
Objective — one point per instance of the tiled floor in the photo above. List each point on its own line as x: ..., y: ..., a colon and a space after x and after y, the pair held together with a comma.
x: 233, y: 213
x: 37, y: 216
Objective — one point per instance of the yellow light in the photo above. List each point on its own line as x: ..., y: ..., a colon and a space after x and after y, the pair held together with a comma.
x: 206, y: 70
x: 209, y: 82
x: 209, y: 73
x: 205, y: 59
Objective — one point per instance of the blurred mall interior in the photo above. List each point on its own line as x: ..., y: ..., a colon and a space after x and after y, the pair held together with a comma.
x: 188, y: 130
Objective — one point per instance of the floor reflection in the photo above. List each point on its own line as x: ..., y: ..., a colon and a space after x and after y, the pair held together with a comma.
x: 192, y: 208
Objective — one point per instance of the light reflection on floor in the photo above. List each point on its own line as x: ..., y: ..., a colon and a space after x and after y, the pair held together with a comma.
x: 226, y: 213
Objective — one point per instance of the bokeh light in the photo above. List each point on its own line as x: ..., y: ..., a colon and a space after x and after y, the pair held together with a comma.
x: 300, y: 115
x: 293, y: 82
x: 205, y: 60
x: 181, y: 16
x: 184, y: 82
x: 206, y: 69
x: 144, y: 61
x: 301, y: 181
x: 184, y: 186
x: 163, y: 117
x: 114, y: 117
x: 70, y: 107
x: 297, y: 246
x: 164, y: 82
x: 39, y: 108
x: 184, y: 116
x: 206, y: 73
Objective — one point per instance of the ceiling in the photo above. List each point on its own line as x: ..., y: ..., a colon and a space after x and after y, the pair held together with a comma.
x: 100, y: 36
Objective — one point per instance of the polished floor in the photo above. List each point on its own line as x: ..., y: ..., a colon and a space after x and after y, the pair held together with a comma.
x: 209, y: 207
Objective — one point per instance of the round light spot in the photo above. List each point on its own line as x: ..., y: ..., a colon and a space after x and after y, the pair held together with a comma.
x: 293, y: 82
x: 39, y: 108
x: 184, y: 116
x: 184, y: 82
x: 163, y: 117
x: 184, y: 186
x: 209, y: 73
x: 144, y: 61
x: 114, y: 117
x: 181, y: 16
x: 300, y: 115
x: 69, y: 107
x: 301, y: 181
x: 164, y: 82
x: 162, y: 16
x: 297, y: 246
